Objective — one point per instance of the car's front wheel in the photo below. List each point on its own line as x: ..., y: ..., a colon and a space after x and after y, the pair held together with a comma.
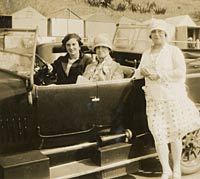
x: 190, y: 162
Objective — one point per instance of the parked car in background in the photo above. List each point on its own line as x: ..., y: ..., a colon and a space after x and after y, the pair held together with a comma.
x: 73, y: 130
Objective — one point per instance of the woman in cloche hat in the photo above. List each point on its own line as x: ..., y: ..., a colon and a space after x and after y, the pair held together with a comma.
x: 171, y: 114
x: 103, y: 67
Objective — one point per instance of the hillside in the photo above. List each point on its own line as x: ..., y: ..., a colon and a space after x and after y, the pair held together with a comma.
x: 81, y: 7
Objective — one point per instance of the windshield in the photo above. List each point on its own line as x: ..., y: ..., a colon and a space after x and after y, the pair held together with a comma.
x: 131, y: 39
x: 17, y: 51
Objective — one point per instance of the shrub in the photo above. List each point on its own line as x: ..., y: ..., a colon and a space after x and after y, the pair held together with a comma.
x: 122, y: 5
x: 94, y: 2
x: 160, y: 10
x: 98, y: 3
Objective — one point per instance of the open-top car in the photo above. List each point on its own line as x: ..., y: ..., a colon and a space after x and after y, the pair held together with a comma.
x: 73, y: 130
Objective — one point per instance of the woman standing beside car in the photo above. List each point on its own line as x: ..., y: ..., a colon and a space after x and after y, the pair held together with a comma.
x: 68, y: 67
x: 171, y: 114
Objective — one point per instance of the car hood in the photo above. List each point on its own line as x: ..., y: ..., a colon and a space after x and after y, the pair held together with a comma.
x: 11, y: 84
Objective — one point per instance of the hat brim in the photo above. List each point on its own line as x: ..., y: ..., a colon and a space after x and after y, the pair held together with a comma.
x: 102, y: 45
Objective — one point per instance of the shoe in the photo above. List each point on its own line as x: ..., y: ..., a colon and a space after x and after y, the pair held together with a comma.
x: 176, y: 176
x: 166, y: 176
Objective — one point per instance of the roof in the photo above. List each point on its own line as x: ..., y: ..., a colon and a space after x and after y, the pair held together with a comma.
x: 183, y: 20
x: 64, y: 13
x: 98, y: 17
x: 126, y: 20
x: 29, y: 11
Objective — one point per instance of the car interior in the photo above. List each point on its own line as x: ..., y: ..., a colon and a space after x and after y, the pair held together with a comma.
x: 43, y: 77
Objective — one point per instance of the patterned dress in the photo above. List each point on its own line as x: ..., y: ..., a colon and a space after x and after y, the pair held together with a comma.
x: 171, y: 114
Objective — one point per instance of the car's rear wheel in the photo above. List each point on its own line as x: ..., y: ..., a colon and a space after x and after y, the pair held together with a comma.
x: 190, y: 162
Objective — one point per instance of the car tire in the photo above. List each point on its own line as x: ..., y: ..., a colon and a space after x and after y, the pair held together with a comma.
x: 190, y: 162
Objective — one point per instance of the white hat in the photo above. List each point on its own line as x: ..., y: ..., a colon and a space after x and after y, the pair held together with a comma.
x: 158, y: 24
x: 102, y: 40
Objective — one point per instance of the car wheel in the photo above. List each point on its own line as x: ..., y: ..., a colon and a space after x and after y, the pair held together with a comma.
x: 190, y: 162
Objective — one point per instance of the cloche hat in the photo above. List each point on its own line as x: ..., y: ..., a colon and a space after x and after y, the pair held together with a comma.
x: 102, y: 40
x: 158, y: 24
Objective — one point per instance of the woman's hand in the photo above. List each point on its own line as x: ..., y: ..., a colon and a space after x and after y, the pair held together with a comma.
x: 50, y: 68
x: 146, y: 72
x: 154, y: 76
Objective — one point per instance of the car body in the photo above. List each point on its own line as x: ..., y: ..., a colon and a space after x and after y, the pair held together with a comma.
x: 57, y: 124
x: 53, y: 131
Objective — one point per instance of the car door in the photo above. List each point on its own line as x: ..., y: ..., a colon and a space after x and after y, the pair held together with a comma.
x: 122, y: 105
x: 66, y: 111
x: 109, y: 96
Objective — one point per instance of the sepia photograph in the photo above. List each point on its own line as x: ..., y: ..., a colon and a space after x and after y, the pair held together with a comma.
x: 99, y: 89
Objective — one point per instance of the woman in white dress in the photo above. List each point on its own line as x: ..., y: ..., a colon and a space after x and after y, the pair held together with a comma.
x: 171, y: 114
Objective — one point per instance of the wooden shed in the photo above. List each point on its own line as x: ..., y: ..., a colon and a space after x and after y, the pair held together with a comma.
x: 98, y: 23
x: 187, y: 32
x: 63, y: 22
x: 188, y: 37
x: 183, y: 20
x: 29, y: 18
x: 127, y: 20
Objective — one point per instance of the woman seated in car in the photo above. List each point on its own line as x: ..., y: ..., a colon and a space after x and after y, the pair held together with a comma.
x: 103, y: 66
x: 68, y: 67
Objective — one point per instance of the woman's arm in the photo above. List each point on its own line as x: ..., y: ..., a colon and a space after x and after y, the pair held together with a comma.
x: 141, y: 71
x: 179, y: 67
x: 117, y: 73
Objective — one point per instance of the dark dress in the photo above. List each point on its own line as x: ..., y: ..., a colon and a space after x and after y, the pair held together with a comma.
x: 77, y: 68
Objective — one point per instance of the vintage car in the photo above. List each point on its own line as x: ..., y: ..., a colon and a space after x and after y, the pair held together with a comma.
x: 74, y: 130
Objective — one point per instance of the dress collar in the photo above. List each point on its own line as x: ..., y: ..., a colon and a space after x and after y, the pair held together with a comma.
x: 67, y: 57
x: 106, y: 60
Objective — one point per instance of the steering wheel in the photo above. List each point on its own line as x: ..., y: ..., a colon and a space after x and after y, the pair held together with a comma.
x: 42, y: 76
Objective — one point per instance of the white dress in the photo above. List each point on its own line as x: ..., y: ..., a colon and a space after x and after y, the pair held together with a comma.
x: 170, y: 113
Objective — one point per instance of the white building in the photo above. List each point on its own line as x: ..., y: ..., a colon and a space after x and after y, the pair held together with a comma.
x: 29, y: 18
x: 63, y: 22
x: 98, y: 23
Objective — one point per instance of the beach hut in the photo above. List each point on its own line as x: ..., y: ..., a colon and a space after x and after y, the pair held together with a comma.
x: 63, y: 22
x: 187, y: 32
x: 183, y: 20
x: 98, y: 23
x: 29, y: 18
x: 127, y: 20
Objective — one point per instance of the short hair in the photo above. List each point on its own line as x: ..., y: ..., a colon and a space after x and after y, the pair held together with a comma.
x: 165, y: 35
x: 71, y: 36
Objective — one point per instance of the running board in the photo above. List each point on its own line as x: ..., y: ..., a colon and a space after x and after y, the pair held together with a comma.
x: 87, y: 166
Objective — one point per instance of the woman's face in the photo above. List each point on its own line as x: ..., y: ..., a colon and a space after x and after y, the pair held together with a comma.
x: 72, y: 47
x: 102, y: 52
x: 158, y: 36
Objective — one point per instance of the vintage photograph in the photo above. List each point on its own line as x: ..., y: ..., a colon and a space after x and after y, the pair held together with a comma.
x: 99, y: 89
